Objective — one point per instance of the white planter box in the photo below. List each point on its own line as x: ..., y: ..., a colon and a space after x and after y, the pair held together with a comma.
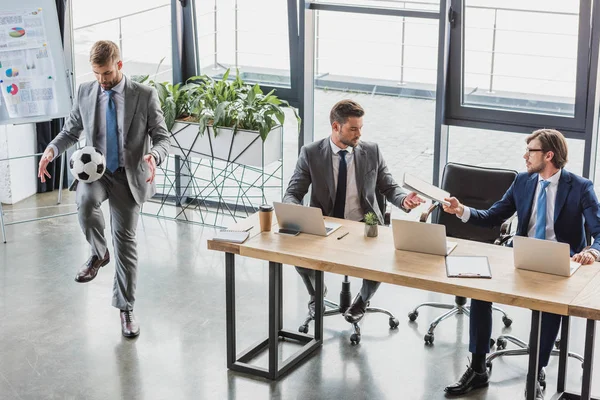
x: 246, y: 147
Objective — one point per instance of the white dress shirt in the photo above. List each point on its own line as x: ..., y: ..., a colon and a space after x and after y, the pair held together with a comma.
x: 352, y: 210
x: 551, y: 191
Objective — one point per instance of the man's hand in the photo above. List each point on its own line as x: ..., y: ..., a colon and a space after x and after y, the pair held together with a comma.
x: 412, y: 201
x: 455, y: 207
x: 149, y: 158
x: 43, y: 165
x: 585, y: 257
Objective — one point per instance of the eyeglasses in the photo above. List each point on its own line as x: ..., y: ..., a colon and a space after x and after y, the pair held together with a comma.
x: 528, y: 151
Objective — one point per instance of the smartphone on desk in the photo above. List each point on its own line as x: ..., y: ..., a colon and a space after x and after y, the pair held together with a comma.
x: 291, y: 232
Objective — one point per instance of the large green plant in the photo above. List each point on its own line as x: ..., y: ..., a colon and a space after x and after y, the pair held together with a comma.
x: 222, y: 103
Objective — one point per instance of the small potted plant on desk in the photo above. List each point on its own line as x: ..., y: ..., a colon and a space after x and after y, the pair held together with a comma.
x: 371, y: 223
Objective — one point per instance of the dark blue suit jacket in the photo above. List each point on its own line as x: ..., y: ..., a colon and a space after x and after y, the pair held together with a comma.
x: 576, y: 204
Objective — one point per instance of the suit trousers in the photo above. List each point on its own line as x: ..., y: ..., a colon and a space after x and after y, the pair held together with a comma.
x: 367, y: 290
x: 480, y: 330
x: 124, y: 215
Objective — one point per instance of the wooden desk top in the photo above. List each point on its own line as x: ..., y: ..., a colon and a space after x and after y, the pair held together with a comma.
x: 377, y: 259
x: 587, y: 302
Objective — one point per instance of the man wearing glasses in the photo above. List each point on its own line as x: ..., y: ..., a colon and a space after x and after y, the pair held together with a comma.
x: 551, y: 204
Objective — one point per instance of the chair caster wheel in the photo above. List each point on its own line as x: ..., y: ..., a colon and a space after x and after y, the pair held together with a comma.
x: 501, y: 343
x: 488, y: 364
x: 413, y: 315
x: 303, y: 329
x: 507, y: 321
x: 354, y: 338
x: 492, y: 343
x: 428, y: 338
x: 394, y: 323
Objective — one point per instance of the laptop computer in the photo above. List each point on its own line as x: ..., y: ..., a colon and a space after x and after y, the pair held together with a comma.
x: 543, y: 256
x: 303, y: 219
x: 421, y: 237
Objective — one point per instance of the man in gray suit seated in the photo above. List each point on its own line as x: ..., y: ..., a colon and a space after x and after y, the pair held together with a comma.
x: 360, y: 168
x: 123, y: 120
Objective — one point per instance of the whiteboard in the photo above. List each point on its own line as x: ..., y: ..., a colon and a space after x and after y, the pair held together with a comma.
x: 35, y: 43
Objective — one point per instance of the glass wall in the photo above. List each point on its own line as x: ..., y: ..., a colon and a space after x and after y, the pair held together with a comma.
x: 250, y: 35
x: 142, y: 29
x: 521, y: 55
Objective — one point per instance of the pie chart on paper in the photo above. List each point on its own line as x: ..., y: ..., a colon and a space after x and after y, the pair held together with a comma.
x: 16, y: 32
x: 12, y: 72
x: 12, y: 89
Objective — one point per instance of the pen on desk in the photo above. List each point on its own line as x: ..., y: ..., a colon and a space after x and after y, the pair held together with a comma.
x: 341, y: 237
x: 248, y: 229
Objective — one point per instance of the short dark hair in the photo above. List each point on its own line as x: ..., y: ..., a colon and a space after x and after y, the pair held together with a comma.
x: 344, y: 109
x: 554, y: 141
x: 104, y: 52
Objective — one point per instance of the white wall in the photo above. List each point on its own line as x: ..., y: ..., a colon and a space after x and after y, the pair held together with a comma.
x: 17, y: 177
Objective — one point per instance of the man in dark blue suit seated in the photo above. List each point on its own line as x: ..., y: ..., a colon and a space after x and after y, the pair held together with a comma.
x: 551, y: 204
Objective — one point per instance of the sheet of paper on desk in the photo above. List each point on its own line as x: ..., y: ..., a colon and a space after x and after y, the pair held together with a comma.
x: 468, y: 267
x: 423, y: 188
x: 232, y: 236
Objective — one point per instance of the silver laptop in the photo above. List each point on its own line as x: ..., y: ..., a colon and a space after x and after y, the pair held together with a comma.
x: 303, y: 219
x: 543, y: 256
x: 421, y: 237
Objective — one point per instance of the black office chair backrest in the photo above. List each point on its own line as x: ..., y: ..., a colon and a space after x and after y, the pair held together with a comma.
x: 476, y: 187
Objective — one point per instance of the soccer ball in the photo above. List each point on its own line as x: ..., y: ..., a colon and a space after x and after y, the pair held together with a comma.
x: 87, y: 164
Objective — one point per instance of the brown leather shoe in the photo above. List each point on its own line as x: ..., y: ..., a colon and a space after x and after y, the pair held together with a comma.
x: 129, y: 326
x: 89, y: 270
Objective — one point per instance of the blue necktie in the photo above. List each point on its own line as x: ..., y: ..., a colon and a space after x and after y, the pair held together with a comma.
x: 540, y: 218
x: 340, y: 194
x: 112, y: 133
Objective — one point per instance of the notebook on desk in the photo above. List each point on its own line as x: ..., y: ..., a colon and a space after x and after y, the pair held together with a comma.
x: 232, y: 236
x: 468, y: 267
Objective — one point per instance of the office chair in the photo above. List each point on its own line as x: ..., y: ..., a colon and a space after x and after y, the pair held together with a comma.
x: 476, y: 187
x: 333, y: 308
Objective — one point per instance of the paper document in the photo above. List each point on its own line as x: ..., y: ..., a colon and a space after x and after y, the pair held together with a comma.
x: 468, y: 267
x: 425, y: 189
x: 232, y: 236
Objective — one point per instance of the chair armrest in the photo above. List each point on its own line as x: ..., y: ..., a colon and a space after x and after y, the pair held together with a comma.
x: 505, y: 234
x: 425, y: 214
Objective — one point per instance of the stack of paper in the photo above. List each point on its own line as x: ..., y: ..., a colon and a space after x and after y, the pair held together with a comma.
x: 232, y: 236
x: 425, y: 189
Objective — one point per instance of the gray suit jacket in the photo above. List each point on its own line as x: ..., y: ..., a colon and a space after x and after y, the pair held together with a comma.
x: 315, y: 167
x: 144, y: 130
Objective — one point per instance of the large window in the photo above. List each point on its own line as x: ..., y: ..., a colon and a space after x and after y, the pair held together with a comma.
x: 142, y: 29
x: 520, y: 63
x: 251, y: 36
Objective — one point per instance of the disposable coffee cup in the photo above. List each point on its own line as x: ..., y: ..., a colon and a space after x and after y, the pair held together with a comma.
x: 265, y: 215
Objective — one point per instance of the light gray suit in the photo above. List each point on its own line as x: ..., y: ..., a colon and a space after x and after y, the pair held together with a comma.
x: 314, y: 167
x: 144, y: 130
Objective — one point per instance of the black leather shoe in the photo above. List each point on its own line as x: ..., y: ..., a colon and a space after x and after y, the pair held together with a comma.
x: 356, y: 311
x: 469, y: 381
x: 539, y: 395
x: 311, y: 304
x: 129, y: 325
x: 90, y: 269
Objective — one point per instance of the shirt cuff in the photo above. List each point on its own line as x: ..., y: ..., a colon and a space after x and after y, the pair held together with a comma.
x: 55, y: 149
x: 156, y: 156
x: 466, y: 214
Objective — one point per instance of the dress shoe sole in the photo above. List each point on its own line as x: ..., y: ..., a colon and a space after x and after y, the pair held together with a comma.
x: 131, y: 335
x: 352, y: 320
x: 77, y: 279
x: 478, y: 386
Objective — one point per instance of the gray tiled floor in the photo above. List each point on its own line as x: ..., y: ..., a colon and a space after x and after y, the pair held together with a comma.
x: 61, y: 340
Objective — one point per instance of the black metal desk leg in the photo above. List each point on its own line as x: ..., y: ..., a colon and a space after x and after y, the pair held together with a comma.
x: 319, y: 305
x: 588, y: 359
x: 230, y: 307
x: 534, y: 351
x: 274, y: 316
x: 564, y: 354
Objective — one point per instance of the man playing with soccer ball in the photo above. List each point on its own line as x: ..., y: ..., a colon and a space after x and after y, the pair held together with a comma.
x: 123, y: 120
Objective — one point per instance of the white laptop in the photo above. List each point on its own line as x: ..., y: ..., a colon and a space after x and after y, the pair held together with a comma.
x: 303, y: 219
x: 543, y: 256
x: 421, y: 237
